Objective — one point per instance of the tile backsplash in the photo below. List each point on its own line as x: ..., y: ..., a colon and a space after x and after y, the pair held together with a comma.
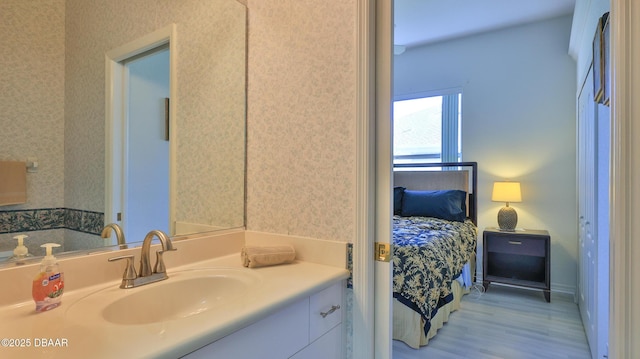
x: 27, y: 220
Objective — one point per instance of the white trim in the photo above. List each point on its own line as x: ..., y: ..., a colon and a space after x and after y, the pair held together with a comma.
x: 113, y: 153
x: 450, y: 145
x: 384, y: 170
x: 363, y: 279
x: 145, y: 43
x: 625, y: 181
x: 173, y: 126
x: 115, y: 73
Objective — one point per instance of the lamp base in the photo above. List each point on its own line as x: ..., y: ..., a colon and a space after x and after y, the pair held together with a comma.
x: 507, y: 219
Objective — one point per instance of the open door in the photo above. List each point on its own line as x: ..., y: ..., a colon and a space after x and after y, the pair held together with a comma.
x: 384, y: 179
x: 372, y: 278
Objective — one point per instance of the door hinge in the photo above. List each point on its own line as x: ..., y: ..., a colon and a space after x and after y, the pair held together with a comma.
x: 382, y: 252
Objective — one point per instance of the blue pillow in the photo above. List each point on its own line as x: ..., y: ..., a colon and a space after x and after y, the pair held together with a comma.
x: 398, y: 193
x: 447, y: 204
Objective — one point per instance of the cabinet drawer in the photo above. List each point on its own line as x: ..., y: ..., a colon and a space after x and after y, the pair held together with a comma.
x: 325, y: 311
x: 328, y: 346
x: 531, y: 246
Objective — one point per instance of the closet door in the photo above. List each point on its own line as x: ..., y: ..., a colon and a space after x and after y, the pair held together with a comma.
x: 603, y: 152
x: 587, y: 230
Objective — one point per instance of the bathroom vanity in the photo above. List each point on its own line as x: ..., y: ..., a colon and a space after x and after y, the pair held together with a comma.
x: 309, y: 328
x: 206, y: 308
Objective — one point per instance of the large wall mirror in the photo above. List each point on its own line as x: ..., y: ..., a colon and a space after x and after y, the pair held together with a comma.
x: 52, y: 111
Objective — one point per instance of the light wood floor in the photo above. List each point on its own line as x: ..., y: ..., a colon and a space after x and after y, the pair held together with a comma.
x: 508, y: 323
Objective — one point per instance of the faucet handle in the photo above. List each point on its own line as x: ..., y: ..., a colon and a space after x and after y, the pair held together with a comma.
x: 160, y: 267
x: 129, y: 271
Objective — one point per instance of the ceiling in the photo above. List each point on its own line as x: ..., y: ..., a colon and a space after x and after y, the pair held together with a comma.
x: 419, y: 22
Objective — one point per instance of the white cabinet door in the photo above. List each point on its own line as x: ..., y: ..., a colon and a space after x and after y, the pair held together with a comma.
x: 593, y: 204
x: 297, y: 331
x: 280, y: 335
x: 328, y: 346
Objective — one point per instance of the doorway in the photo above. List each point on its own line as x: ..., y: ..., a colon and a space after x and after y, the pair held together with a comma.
x: 624, y: 85
x: 140, y: 134
x: 145, y: 165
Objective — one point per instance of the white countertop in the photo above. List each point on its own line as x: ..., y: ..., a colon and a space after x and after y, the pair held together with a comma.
x: 278, y: 287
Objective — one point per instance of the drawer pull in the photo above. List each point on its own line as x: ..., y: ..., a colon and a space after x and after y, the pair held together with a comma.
x: 333, y: 309
x: 515, y: 242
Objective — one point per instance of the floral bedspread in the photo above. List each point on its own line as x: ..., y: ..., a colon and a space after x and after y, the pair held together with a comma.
x: 428, y: 254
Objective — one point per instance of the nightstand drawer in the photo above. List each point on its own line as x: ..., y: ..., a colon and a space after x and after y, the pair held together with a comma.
x: 524, y: 245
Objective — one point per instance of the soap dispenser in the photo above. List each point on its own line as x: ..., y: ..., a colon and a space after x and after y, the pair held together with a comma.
x: 20, y: 253
x: 48, y: 284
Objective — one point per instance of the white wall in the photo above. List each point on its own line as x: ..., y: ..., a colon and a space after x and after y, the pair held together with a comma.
x: 583, y: 30
x: 518, y: 109
x: 147, y: 184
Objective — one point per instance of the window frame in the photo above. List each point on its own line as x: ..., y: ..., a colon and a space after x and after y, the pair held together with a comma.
x: 445, y: 127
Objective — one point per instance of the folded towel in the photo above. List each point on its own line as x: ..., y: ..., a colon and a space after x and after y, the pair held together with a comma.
x: 253, y: 257
x: 13, y: 182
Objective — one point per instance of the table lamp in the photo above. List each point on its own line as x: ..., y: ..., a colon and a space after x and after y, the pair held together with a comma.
x: 507, y: 192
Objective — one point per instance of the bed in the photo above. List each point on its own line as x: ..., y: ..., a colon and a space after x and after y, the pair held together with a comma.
x: 434, y: 242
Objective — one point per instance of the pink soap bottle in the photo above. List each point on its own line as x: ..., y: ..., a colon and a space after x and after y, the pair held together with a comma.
x: 48, y: 284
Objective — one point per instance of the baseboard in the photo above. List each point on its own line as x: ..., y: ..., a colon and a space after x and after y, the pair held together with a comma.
x: 556, y: 289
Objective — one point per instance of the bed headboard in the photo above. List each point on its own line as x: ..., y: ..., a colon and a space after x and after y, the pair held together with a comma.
x: 440, y: 176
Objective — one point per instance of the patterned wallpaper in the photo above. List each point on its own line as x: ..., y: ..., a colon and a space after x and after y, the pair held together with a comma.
x: 52, y: 85
x: 301, y: 122
x: 301, y: 154
x: 32, y: 95
x: 210, y: 106
x: 32, y: 109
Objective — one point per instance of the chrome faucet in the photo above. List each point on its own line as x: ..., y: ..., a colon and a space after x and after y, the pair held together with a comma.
x: 145, y: 262
x: 130, y: 278
x: 106, y: 233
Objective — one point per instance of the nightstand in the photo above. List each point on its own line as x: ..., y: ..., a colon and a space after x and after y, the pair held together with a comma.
x: 519, y: 258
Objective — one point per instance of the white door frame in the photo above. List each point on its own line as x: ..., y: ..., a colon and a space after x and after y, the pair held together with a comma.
x: 115, y: 113
x: 624, y: 245
x: 372, y: 280
x: 363, y: 266
x: 384, y: 180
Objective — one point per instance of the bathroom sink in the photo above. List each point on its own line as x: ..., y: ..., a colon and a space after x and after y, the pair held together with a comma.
x: 182, y: 295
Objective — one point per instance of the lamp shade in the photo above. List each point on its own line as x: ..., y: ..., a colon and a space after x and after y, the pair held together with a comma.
x: 506, y: 192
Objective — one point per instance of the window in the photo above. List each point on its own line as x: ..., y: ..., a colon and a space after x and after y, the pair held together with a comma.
x: 427, y: 129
